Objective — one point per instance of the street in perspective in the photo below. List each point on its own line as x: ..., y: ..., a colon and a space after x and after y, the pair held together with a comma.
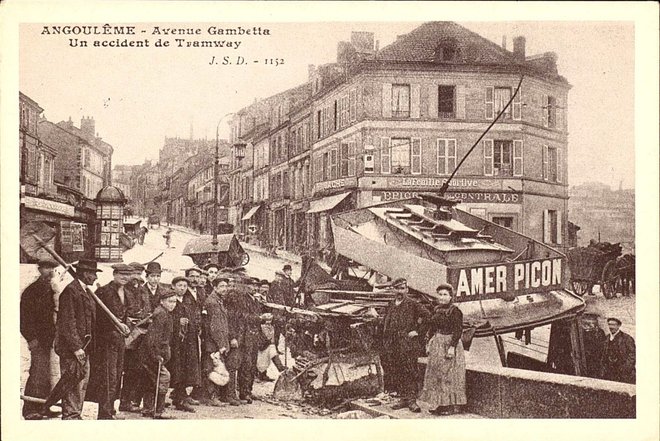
x: 371, y: 221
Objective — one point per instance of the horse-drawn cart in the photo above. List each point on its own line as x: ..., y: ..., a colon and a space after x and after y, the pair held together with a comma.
x: 601, y: 264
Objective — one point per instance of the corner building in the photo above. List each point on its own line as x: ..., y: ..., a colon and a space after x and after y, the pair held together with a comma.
x: 389, y: 124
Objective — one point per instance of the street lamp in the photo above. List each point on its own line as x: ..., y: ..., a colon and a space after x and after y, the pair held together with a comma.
x: 216, y: 164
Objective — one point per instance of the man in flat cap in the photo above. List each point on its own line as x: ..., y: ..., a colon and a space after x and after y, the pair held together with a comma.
x: 181, y: 350
x: 402, y: 345
x: 593, y: 338
x: 138, y: 307
x: 619, y: 354
x: 193, y: 300
x: 155, y: 352
x: 37, y: 313
x: 108, y: 357
x: 75, y: 323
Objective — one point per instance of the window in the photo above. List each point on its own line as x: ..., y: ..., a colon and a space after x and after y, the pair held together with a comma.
x: 551, y: 164
x: 503, y: 221
x: 550, y: 112
x: 502, y: 163
x: 335, y: 116
x: 502, y: 97
x: 446, y: 156
x: 385, y: 165
x: 552, y: 227
x: 401, y: 100
x: 400, y: 148
x: 326, y: 163
x: 446, y: 101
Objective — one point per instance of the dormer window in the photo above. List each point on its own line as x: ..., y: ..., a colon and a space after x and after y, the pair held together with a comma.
x: 446, y: 51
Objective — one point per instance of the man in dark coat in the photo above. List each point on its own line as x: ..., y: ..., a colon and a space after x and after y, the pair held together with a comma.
x: 216, y: 325
x: 282, y: 289
x: 179, y: 378
x: 194, y: 300
x: 107, y: 361
x: 138, y: 307
x: 619, y: 354
x: 153, y: 287
x: 402, y: 345
x: 155, y: 353
x: 75, y: 323
x: 245, y: 334
x: 37, y: 314
x: 212, y: 270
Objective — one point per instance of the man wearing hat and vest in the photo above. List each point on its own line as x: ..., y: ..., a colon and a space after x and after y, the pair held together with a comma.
x: 108, y: 357
x: 155, y: 352
x: 138, y: 307
x: 402, y: 346
x: 619, y: 354
x: 37, y: 313
x: 75, y: 322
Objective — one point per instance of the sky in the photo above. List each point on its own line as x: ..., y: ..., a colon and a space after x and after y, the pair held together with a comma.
x: 138, y: 96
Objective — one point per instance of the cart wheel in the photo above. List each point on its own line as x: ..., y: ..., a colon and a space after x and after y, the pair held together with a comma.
x: 581, y: 287
x: 246, y: 259
x: 609, y: 280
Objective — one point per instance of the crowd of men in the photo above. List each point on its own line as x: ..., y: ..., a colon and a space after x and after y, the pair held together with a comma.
x: 199, y: 337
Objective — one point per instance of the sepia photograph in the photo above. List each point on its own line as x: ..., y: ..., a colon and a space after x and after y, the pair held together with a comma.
x: 411, y: 218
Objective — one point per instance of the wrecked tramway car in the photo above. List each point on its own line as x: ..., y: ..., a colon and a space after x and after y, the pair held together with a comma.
x: 506, y: 283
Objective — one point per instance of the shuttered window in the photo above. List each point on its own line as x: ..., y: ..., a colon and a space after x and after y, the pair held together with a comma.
x: 401, y: 100
x: 488, y: 113
x: 385, y: 164
x: 416, y: 156
x: 351, y: 158
x: 517, y: 106
x: 333, y: 163
x: 352, y: 109
x: 517, y: 158
x: 344, y: 153
x: 488, y: 156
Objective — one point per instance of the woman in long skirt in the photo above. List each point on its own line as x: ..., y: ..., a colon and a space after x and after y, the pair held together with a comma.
x: 444, y: 380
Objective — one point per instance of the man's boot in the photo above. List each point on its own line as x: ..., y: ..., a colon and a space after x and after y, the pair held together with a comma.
x: 148, y: 410
x: 231, y: 389
x: 160, y: 406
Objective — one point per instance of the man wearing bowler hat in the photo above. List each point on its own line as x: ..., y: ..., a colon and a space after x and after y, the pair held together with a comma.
x: 108, y: 357
x: 153, y: 287
x: 37, y: 314
x: 75, y: 322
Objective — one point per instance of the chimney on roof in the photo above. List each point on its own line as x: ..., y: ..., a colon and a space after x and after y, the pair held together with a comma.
x: 363, y: 42
x: 504, y: 42
x: 519, y: 48
x: 87, y: 125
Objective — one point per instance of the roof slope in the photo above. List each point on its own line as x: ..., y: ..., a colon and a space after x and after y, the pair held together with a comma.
x: 421, y: 44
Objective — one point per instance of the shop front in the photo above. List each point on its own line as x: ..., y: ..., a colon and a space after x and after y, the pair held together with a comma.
x: 497, y: 200
x: 68, y: 230
x: 320, y: 229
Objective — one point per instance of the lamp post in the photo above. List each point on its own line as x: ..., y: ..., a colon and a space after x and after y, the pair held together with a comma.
x: 216, y: 170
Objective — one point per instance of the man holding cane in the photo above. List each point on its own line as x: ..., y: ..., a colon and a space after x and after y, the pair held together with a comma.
x: 75, y: 321
x: 154, y: 353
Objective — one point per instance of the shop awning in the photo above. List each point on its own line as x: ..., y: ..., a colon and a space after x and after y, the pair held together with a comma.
x: 250, y: 213
x: 327, y: 203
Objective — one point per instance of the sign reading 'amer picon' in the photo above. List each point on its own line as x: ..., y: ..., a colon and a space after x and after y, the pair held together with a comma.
x: 511, y: 278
